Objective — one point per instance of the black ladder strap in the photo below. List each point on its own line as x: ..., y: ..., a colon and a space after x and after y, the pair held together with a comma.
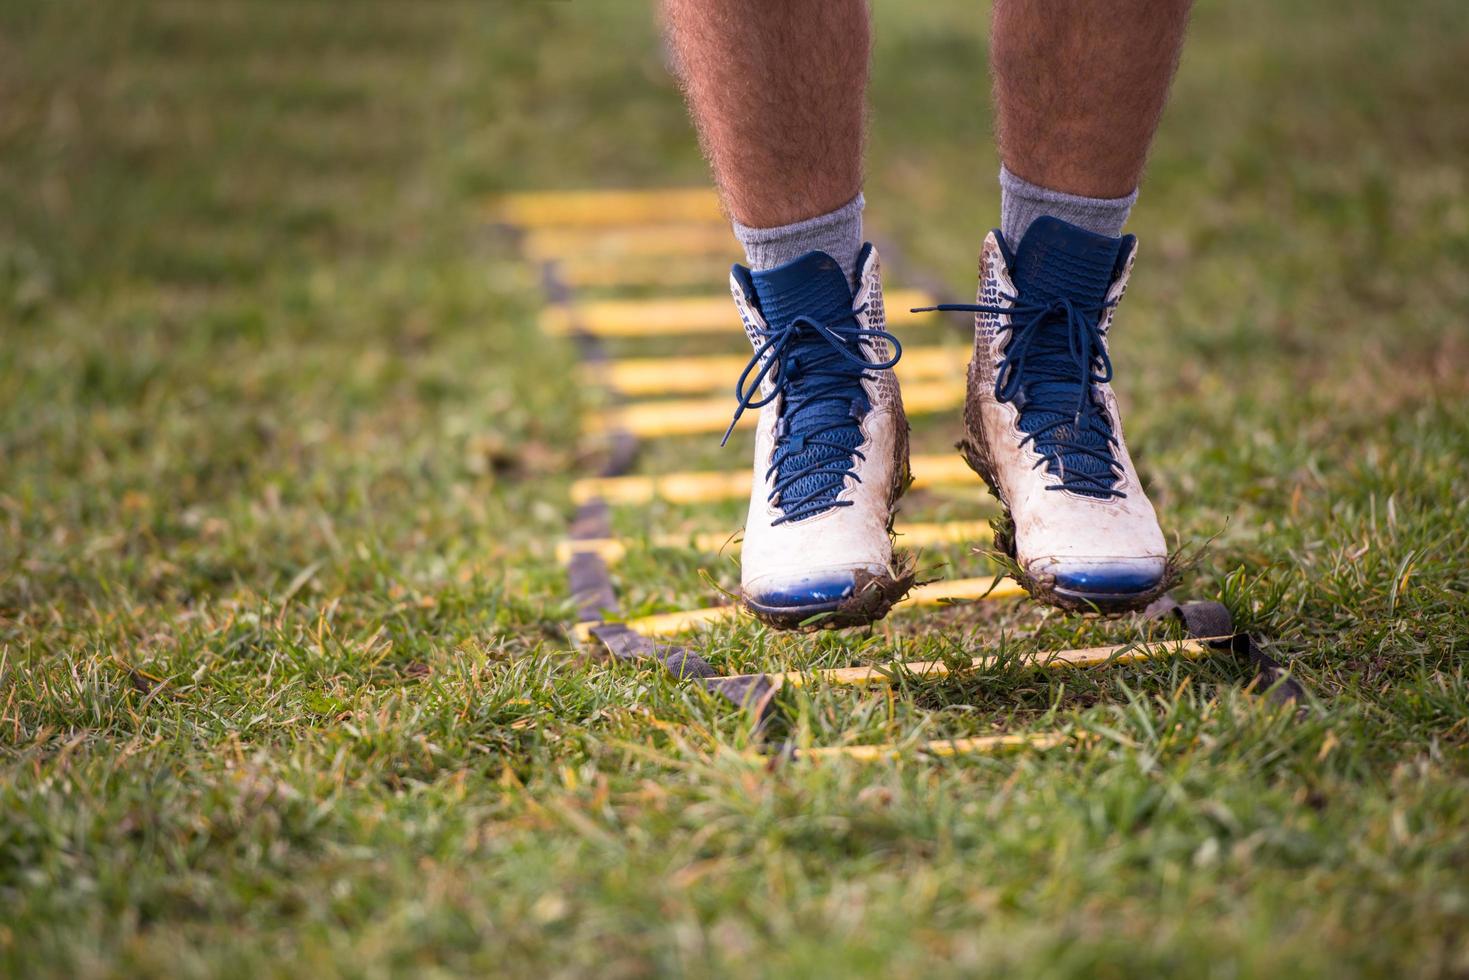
x: 1207, y: 620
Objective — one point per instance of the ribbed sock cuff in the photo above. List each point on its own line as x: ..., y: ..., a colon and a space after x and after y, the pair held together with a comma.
x: 1021, y: 202
x: 837, y: 233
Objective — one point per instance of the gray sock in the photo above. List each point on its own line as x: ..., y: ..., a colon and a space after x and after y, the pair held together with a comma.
x: 837, y: 233
x: 1021, y: 202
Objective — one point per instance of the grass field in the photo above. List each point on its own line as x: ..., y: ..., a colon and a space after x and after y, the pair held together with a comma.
x: 285, y: 685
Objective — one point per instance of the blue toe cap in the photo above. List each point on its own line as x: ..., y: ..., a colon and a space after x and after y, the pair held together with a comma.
x: 803, y: 591
x: 1121, y: 577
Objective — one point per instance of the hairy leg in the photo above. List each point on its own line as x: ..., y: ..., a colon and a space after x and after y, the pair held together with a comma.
x: 776, y: 89
x: 1079, y: 88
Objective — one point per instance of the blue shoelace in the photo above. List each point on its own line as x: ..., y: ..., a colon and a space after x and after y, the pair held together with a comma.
x: 816, y: 368
x: 1048, y: 375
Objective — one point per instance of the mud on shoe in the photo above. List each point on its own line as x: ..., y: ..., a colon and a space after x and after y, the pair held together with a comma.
x: 831, y: 446
x: 1042, y: 424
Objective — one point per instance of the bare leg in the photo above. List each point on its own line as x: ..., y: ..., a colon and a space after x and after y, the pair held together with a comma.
x: 776, y: 89
x: 1079, y: 88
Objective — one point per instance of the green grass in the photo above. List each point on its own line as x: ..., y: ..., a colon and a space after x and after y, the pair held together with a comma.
x: 284, y: 683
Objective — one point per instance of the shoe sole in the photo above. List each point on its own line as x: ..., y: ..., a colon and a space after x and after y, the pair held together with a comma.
x: 1119, y: 602
x: 974, y: 449
x: 871, y: 599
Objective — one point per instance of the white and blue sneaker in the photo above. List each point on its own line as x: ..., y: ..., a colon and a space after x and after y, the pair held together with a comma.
x: 1042, y: 425
x: 831, y: 447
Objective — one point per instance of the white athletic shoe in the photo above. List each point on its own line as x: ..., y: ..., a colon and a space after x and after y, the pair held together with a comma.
x: 831, y: 447
x: 1042, y: 426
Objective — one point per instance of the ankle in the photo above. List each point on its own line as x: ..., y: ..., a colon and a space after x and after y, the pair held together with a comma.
x: 1021, y: 202
x: 837, y: 233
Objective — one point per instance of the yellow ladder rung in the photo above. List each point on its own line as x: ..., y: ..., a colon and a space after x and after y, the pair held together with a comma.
x: 679, y: 375
x: 613, y: 246
x: 1122, y: 653
x: 922, y: 534
x: 665, y: 624
x: 600, y: 208
x: 690, y: 416
x: 679, y: 488
x: 645, y: 271
x: 917, y: 535
x: 685, y: 315
x: 945, y: 747
x: 932, y: 594
x: 696, y: 487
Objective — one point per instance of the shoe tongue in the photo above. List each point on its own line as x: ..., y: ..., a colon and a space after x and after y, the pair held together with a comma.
x: 812, y: 285
x: 1056, y: 259
x: 817, y: 405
